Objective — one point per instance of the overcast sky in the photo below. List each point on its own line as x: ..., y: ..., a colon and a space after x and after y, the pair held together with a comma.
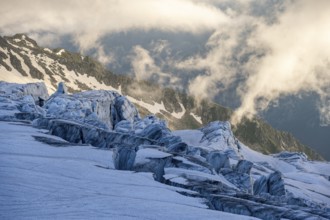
x: 274, y: 47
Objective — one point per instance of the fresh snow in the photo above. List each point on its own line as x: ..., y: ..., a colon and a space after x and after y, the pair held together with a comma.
x: 154, y: 109
x: 157, y: 108
x: 179, y: 115
x: 48, y: 50
x: 39, y: 181
x: 59, y: 53
x: 197, y: 118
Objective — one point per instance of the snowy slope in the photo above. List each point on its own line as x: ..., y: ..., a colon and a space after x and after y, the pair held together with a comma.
x: 305, y: 179
x: 40, y: 181
x: 137, y: 167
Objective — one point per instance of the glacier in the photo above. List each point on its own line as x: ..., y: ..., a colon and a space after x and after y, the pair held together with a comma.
x: 90, y: 155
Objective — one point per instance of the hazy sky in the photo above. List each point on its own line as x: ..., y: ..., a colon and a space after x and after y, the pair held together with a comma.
x: 274, y: 47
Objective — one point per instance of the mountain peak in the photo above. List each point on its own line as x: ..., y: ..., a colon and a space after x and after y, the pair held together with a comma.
x: 22, y: 39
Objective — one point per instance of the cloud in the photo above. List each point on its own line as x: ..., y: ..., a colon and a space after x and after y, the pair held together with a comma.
x: 297, y: 60
x: 225, y: 59
x: 89, y: 21
x: 264, y: 48
x: 267, y: 55
x: 145, y: 67
x: 103, y: 57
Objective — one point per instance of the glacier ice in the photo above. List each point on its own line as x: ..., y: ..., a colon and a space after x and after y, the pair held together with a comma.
x: 223, y: 172
x: 218, y: 160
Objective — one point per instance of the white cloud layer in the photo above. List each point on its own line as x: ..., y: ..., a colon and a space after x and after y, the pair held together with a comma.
x: 145, y: 68
x: 275, y: 48
x: 297, y: 58
x: 88, y: 21
x: 288, y: 55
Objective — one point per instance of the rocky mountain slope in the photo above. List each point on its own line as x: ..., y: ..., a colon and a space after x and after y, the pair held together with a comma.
x: 22, y: 60
x: 207, y: 169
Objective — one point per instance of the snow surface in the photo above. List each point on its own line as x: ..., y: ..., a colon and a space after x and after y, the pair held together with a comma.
x: 191, y: 137
x: 197, y: 118
x: 59, y: 53
x: 48, y: 50
x: 179, y: 115
x: 153, y: 108
x: 144, y: 155
x: 63, y: 180
x: 39, y: 181
x: 305, y: 179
